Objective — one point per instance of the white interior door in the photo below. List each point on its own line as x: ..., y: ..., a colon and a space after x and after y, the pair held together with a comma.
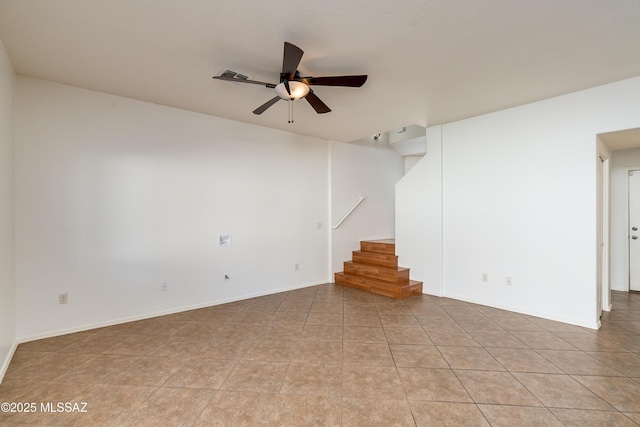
x: 634, y: 230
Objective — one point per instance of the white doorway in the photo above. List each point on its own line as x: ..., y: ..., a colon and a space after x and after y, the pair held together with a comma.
x: 634, y: 229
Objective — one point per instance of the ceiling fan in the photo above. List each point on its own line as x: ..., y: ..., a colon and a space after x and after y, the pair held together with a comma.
x: 293, y: 86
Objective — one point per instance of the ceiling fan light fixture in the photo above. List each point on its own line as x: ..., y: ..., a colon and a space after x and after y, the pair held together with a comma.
x: 298, y: 90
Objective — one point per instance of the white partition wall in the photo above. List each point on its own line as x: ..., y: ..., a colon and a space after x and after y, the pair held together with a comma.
x: 519, y: 201
x: 7, y: 284
x: 115, y: 197
x: 370, y: 172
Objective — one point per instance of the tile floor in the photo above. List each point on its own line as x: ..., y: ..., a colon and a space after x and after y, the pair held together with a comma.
x: 331, y: 356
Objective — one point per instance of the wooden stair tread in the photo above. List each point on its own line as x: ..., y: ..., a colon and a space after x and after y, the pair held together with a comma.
x: 374, y: 268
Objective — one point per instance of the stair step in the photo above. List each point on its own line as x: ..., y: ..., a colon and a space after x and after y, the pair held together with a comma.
x: 375, y: 258
x: 398, y: 275
x: 379, y: 287
x: 385, y: 246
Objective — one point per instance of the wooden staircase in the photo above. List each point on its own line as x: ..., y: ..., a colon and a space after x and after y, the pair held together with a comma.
x: 374, y: 268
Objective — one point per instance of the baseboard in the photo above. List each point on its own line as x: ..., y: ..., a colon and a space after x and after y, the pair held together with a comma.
x: 7, y: 360
x: 112, y: 322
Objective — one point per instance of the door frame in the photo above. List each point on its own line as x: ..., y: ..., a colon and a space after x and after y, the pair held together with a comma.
x: 628, y: 226
x: 603, y: 200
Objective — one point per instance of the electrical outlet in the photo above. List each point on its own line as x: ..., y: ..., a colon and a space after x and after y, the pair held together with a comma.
x: 509, y: 281
x: 485, y: 278
x: 164, y: 287
x: 297, y: 266
x: 226, y: 278
x: 63, y: 298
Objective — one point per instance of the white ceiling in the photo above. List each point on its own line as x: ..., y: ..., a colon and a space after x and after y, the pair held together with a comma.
x: 428, y: 61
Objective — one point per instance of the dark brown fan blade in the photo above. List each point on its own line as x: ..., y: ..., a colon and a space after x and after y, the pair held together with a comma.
x: 261, y: 109
x: 290, y: 60
x: 253, y: 82
x: 316, y: 103
x: 351, y: 81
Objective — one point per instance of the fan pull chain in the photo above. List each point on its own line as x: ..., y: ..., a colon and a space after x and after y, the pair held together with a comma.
x: 290, y: 111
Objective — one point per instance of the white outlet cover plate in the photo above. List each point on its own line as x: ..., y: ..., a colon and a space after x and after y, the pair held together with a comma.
x: 225, y: 240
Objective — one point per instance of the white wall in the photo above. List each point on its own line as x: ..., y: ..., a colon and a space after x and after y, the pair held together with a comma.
x: 519, y: 198
x: 116, y: 196
x: 419, y: 216
x: 369, y: 171
x: 621, y: 162
x: 7, y: 277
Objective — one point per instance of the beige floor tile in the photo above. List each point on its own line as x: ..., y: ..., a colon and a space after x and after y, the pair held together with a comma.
x: 496, y: 339
x: 55, y: 343
x: 302, y: 306
x: 578, y: 363
x: 321, y: 318
x: 281, y: 332
x: 390, y: 320
x: 322, y: 333
x: 358, y: 412
x: 408, y: 335
x: 582, y: 418
x: 417, y: 356
x: 149, y: 371
x: 50, y: 391
x: 306, y: 410
x: 236, y: 408
x: 457, y: 310
x: 170, y: 406
x: 439, y: 323
x: 44, y: 366
x: 107, y: 405
x: 625, y: 363
x: 523, y: 360
x: 521, y: 416
x: 437, y: 385
x: 253, y: 317
x: 326, y: 307
x: 136, y: 345
x: 365, y: 318
x: 447, y: 414
x: 398, y: 308
x: 621, y: 393
x: 474, y: 358
x: 500, y: 388
x: 93, y: 344
x: 272, y: 351
x: 311, y: 356
x: 372, y: 382
x: 101, y: 368
x: 542, y: 340
x: 590, y: 342
x: 365, y: 354
x: 289, y: 318
x: 261, y: 377
x: 444, y: 337
x: 364, y: 334
x: 12, y: 389
x: 201, y: 373
x: 478, y: 323
x: 319, y: 352
x: 430, y: 309
x: 635, y: 416
x: 517, y: 324
x: 313, y: 379
x: 224, y: 348
x: 561, y: 391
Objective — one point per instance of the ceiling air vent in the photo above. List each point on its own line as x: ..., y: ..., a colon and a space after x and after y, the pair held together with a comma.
x: 233, y: 75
